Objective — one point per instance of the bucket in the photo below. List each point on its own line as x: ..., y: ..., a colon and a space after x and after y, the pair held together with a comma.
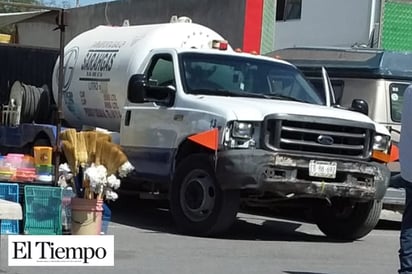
x: 86, y: 216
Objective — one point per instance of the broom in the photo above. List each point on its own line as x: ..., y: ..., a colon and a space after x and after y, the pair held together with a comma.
x: 69, y: 135
x: 90, y: 139
x: 104, y: 136
x: 118, y: 158
x: 105, y: 157
x: 70, y: 154
x: 98, y: 154
x: 81, y: 149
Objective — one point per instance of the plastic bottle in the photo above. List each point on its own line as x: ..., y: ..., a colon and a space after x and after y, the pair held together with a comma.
x: 107, y: 214
x: 66, y: 209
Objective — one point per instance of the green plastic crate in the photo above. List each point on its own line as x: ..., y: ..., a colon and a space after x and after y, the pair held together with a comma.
x: 43, y: 206
x: 44, y: 169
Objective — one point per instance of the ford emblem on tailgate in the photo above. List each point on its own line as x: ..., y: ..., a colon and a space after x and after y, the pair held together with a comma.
x: 325, y: 140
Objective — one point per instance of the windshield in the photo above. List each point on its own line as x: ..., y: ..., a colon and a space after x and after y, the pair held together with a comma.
x: 246, y: 77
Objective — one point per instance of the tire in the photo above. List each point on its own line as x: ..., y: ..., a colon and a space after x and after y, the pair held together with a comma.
x: 348, y: 221
x: 196, y: 211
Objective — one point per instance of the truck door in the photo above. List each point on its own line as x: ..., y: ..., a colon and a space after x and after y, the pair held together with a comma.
x: 148, y: 134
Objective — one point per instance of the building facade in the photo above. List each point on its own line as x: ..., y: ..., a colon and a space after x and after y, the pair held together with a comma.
x: 334, y: 23
x: 383, y: 24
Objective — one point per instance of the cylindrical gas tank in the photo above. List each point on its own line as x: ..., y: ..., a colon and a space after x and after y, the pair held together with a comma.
x: 99, y: 63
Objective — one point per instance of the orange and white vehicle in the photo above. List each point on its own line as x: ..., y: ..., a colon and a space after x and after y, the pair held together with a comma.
x: 208, y: 127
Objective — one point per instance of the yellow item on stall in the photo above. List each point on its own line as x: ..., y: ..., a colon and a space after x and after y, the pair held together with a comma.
x: 43, y: 155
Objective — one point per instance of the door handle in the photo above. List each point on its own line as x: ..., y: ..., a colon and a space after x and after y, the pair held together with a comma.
x: 127, y: 118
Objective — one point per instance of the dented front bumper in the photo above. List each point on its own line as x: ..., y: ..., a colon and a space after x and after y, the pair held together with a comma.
x: 287, y: 175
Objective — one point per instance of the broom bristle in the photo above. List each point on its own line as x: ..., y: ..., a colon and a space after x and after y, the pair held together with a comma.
x: 105, y: 155
x: 69, y: 135
x: 98, y: 152
x: 117, y: 157
x: 70, y: 154
x: 90, y: 139
x: 104, y: 136
x: 81, y: 149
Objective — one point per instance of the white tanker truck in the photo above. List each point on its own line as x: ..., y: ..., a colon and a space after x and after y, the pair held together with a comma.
x: 209, y: 127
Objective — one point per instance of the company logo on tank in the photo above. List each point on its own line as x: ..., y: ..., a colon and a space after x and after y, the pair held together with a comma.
x: 101, y: 56
x: 99, y: 60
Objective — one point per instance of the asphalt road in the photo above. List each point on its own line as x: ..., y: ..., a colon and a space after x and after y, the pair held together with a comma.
x: 146, y: 242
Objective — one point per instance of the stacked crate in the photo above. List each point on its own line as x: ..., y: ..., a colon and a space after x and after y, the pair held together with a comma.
x: 9, y: 192
x: 43, y: 163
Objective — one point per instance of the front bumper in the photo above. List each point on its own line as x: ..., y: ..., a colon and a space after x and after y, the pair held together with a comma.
x: 287, y: 175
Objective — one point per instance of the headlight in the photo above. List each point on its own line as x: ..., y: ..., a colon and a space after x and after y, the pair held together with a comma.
x: 381, y: 142
x: 242, y: 130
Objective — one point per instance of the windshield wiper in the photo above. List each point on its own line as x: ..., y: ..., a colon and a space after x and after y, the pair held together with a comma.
x: 225, y: 92
x: 283, y: 97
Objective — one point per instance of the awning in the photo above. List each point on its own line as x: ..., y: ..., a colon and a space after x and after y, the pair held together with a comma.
x: 15, y: 17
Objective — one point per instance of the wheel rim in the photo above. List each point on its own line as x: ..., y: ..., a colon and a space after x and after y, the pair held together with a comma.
x: 198, y: 195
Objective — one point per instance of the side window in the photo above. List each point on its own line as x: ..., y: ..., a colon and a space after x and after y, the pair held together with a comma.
x: 288, y: 9
x: 160, y: 72
x: 396, y: 94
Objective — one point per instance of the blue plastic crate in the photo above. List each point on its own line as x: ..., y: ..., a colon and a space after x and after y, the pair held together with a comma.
x: 10, y: 227
x: 9, y: 192
x: 43, y: 206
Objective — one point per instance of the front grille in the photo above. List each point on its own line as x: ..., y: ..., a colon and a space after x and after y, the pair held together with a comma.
x: 326, y: 137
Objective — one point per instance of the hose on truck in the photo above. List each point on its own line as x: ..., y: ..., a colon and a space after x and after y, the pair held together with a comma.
x: 34, y: 102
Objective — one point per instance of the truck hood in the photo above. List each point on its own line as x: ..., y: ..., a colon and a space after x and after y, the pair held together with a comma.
x: 255, y: 109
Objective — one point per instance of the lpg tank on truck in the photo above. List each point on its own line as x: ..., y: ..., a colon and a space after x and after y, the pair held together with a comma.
x: 100, y: 62
x: 208, y: 128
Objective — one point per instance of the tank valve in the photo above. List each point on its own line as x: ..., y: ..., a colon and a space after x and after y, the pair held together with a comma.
x: 181, y: 19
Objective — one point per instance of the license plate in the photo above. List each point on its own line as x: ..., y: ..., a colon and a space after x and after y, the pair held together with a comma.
x: 322, y: 169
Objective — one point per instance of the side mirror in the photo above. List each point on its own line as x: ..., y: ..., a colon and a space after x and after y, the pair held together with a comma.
x: 141, y: 91
x: 136, y: 92
x: 360, y: 105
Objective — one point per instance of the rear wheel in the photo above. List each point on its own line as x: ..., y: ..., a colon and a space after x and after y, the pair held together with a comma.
x: 346, y: 220
x: 198, y: 205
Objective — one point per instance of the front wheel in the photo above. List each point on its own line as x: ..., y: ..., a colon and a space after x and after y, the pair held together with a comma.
x: 347, y: 220
x: 198, y: 205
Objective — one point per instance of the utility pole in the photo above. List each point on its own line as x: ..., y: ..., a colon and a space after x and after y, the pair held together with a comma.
x: 77, y: 3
